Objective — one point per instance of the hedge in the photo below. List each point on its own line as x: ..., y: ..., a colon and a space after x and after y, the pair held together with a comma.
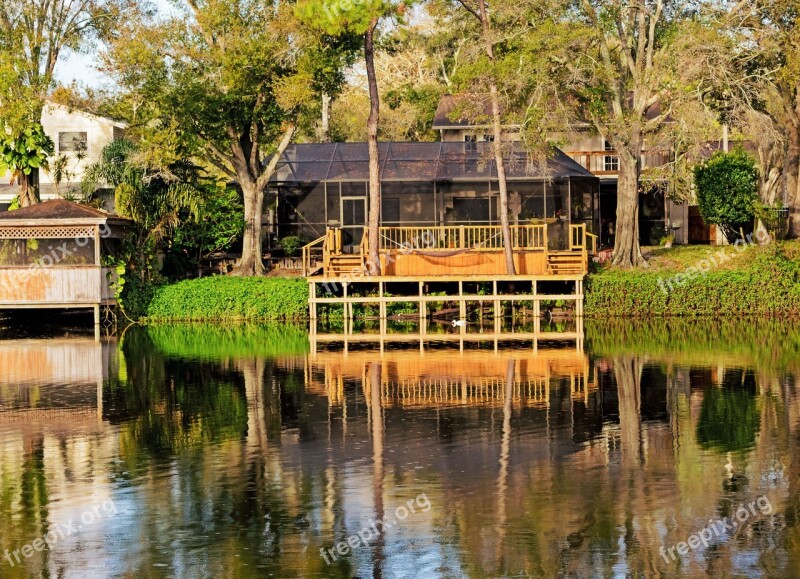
x: 224, y: 298
x: 768, y: 286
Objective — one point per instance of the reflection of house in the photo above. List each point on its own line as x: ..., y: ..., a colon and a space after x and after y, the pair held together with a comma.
x: 590, y: 150
x: 79, y: 137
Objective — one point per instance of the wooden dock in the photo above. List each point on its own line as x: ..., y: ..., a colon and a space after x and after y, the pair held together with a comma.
x: 462, y: 265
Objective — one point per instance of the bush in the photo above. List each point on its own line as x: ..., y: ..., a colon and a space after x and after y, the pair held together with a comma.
x: 768, y: 286
x: 727, y: 191
x: 230, y: 298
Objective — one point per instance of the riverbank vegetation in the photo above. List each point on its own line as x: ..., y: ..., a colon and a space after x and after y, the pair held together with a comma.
x: 756, y: 281
x: 225, y: 298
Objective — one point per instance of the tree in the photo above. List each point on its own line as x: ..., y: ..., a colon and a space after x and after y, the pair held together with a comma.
x: 624, y: 66
x: 342, y: 18
x: 24, y: 153
x: 487, y: 39
x: 230, y: 82
x: 727, y: 191
x: 770, y: 29
x: 33, y: 35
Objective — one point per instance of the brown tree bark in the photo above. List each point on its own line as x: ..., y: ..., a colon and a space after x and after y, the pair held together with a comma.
x: 497, y: 145
x: 253, y: 177
x: 27, y: 190
x: 627, y: 252
x: 791, y: 168
x: 251, y: 263
x: 374, y: 265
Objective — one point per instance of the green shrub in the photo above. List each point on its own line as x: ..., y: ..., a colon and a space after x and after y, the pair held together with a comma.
x: 768, y: 286
x: 230, y: 298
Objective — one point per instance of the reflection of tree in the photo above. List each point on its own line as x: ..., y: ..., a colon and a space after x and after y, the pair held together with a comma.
x: 729, y: 418
x: 168, y: 405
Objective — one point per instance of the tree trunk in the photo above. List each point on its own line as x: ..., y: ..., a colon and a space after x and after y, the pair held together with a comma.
x: 627, y: 252
x: 791, y: 168
x: 497, y: 147
x: 251, y: 263
x: 325, y: 128
x: 27, y: 190
x: 374, y: 266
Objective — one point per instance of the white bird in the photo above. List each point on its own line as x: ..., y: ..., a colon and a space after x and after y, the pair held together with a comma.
x: 459, y: 323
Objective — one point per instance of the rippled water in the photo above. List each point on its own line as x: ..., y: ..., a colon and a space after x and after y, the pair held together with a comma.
x: 246, y: 452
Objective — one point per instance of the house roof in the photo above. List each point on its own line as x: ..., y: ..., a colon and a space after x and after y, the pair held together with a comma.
x: 88, y: 115
x: 404, y: 161
x: 58, y: 211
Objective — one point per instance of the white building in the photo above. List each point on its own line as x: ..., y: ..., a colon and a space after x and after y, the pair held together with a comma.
x: 77, y: 135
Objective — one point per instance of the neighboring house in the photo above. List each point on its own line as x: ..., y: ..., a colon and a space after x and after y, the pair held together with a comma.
x: 426, y: 185
x: 591, y: 151
x: 75, y: 134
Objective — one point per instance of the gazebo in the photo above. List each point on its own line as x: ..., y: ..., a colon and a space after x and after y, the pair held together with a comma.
x: 52, y: 255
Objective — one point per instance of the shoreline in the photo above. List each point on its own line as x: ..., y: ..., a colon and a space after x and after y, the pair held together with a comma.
x: 764, y: 282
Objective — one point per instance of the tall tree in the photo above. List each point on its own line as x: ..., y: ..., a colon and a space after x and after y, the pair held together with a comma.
x: 488, y: 40
x: 625, y: 66
x: 33, y: 36
x: 342, y: 18
x: 232, y: 80
x: 774, y: 25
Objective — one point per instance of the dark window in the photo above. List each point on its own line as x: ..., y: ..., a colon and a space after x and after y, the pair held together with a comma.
x: 73, y: 141
x: 471, y: 143
x: 610, y: 162
x: 390, y: 210
x: 488, y: 138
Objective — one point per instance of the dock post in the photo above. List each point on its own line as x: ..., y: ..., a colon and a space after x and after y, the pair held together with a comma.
x: 462, y: 304
x: 423, y: 310
x: 382, y: 304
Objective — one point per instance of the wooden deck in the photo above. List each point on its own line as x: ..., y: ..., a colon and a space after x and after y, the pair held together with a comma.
x: 461, y: 264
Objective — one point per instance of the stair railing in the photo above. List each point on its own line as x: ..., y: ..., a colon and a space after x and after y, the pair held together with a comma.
x: 316, y: 247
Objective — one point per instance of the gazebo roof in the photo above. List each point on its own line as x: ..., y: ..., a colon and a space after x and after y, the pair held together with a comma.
x: 59, y: 219
x: 59, y: 212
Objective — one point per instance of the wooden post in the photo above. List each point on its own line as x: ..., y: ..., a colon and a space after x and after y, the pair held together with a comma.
x: 97, y: 245
x: 462, y: 305
x: 382, y: 306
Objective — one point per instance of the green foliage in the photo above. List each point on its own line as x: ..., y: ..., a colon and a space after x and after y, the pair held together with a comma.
x: 729, y: 419
x: 230, y: 298
x: 157, y: 199
x: 220, y: 227
x: 135, y: 294
x: 214, y: 342
x: 291, y: 244
x: 25, y: 151
x: 769, y: 285
x: 727, y: 190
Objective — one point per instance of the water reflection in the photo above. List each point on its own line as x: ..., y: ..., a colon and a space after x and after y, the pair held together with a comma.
x: 237, y: 452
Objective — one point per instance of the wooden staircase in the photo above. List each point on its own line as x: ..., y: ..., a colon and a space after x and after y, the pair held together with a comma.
x: 566, y: 263
x: 343, y: 264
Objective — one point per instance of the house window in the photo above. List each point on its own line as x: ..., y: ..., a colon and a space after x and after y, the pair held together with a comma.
x: 471, y: 143
x: 488, y: 138
x: 610, y: 162
x: 73, y: 142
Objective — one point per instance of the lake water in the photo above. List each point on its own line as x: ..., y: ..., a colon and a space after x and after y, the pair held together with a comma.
x: 646, y: 449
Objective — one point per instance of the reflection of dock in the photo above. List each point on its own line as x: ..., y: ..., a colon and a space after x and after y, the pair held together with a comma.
x: 445, y: 377
x: 461, y: 336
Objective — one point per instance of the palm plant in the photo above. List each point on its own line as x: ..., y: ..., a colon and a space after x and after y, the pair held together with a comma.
x: 155, y: 199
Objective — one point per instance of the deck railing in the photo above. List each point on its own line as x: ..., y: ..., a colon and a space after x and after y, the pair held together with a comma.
x: 453, y: 237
